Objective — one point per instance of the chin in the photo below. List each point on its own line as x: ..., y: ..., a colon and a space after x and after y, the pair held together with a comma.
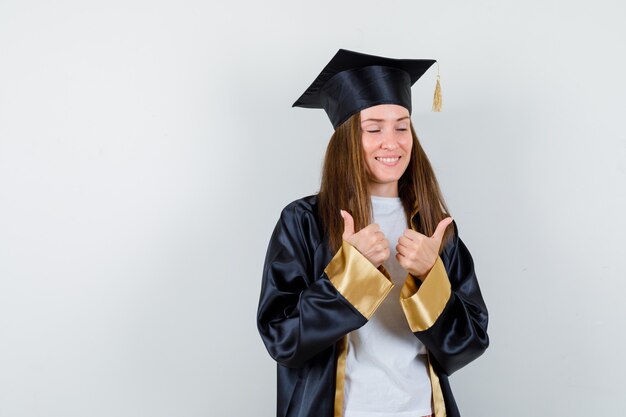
x: 386, y: 180
x: 383, y: 179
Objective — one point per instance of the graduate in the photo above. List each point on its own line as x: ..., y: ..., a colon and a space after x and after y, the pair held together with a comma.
x: 369, y: 299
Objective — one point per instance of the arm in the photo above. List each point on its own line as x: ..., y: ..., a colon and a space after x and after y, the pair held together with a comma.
x: 447, y: 312
x: 300, y: 315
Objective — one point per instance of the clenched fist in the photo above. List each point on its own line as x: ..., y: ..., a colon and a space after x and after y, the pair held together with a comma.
x: 370, y: 241
x: 417, y: 253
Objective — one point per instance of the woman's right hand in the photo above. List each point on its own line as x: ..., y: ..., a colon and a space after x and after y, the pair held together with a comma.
x: 370, y: 241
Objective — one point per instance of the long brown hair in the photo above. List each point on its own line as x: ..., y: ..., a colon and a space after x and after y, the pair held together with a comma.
x: 345, y: 186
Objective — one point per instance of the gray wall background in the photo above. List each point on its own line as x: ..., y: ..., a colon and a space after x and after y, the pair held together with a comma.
x: 147, y: 148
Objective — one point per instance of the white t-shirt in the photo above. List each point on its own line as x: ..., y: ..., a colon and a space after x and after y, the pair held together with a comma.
x: 386, y: 365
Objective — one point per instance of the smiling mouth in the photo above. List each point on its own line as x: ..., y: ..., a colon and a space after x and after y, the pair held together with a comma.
x: 388, y: 161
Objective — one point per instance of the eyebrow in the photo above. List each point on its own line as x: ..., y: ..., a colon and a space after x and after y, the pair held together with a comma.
x: 382, y: 120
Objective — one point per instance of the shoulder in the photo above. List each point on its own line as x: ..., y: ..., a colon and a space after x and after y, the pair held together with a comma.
x: 304, y: 209
x: 303, y: 205
x: 299, y: 226
x: 301, y: 216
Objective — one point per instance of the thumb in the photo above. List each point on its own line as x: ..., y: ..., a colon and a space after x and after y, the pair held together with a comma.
x: 348, y: 224
x: 441, y: 229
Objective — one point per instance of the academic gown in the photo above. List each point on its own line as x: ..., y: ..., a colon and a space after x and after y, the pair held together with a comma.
x: 311, y: 299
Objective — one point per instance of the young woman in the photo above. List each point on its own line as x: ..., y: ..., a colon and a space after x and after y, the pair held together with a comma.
x: 369, y: 299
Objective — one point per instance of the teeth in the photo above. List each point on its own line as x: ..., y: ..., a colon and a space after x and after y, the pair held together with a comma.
x: 388, y: 160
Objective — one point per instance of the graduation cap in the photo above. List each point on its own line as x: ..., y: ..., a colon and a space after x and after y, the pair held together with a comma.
x: 353, y: 81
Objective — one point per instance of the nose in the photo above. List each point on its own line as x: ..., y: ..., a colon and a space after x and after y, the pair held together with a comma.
x: 389, y: 140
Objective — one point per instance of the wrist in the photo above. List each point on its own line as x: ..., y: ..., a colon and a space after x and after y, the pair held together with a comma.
x: 421, y: 277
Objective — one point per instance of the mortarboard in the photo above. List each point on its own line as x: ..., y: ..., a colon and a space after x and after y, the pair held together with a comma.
x: 353, y: 81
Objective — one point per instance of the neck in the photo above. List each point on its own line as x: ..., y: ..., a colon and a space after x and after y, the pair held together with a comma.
x: 384, y: 190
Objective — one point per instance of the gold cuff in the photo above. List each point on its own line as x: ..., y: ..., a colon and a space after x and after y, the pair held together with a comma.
x: 422, y: 306
x: 354, y: 276
x: 386, y: 273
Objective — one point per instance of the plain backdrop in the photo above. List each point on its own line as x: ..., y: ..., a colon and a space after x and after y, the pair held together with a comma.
x: 147, y: 148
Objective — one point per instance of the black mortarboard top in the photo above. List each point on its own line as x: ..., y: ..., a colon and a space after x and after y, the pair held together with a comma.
x: 353, y: 81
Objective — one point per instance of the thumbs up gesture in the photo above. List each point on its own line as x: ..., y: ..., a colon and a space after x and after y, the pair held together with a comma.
x: 370, y: 241
x: 417, y: 253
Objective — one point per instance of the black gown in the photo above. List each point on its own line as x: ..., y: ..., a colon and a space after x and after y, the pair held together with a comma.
x: 311, y: 299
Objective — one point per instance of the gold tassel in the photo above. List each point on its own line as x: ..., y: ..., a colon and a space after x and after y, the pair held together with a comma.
x: 437, y: 97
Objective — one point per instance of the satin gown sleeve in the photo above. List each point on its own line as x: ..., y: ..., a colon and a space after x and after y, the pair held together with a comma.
x: 447, y: 311
x: 301, y: 312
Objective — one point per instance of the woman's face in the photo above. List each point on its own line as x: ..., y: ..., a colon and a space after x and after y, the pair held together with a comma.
x: 387, y: 143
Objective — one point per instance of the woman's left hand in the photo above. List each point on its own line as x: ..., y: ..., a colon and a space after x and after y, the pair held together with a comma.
x: 417, y: 253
